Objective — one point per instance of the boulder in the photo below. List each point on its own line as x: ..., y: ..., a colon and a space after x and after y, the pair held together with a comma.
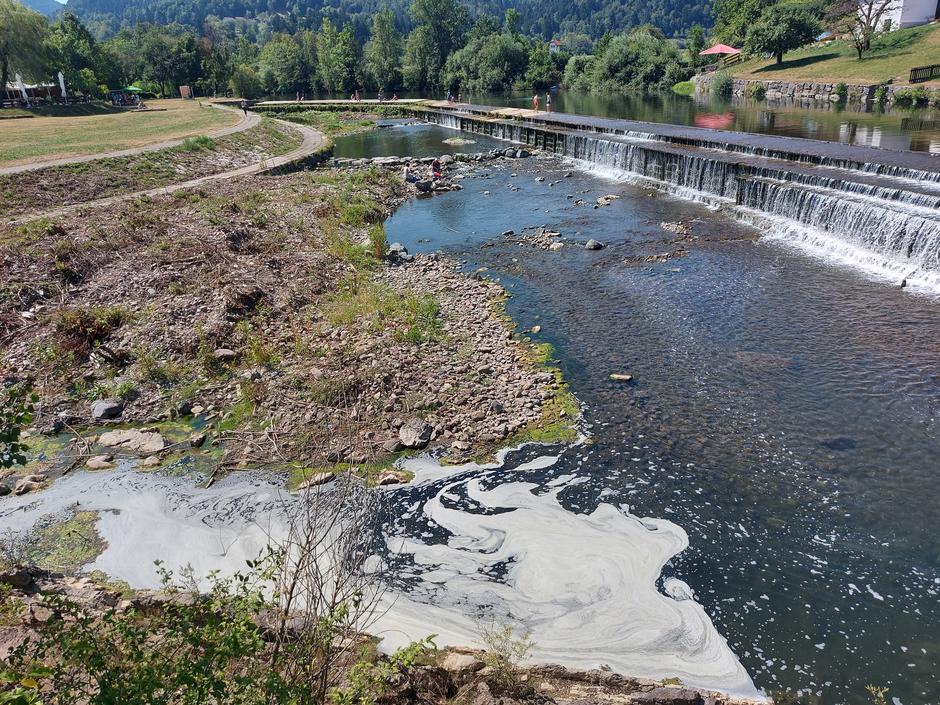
x: 398, y: 253
x: 456, y: 662
x: 423, y: 185
x: 415, y: 433
x: 100, y: 462
x: 620, y: 377
x: 29, y: 483
x: 5, y: 490
x: 224, y: 355
x: 107, y: 409
x: 197, y: 440
x: 555, y: 246
x: 447, y: 159
x: 593, y: 244
x: 393, y: 445
x: 392, y: 477
x: 134, y: 440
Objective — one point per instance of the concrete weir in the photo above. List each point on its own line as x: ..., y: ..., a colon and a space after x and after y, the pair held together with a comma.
x: 875, y: 208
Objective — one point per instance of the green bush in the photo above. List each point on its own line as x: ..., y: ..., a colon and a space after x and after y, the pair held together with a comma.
x: 684, y: 88
x: 721, y: 85
x: 198, y: 144
x: 912, y: 97
x: 842, y: 91
x: 758, y: 91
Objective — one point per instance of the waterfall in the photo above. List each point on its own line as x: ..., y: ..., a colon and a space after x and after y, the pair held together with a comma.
x: 882, y: 218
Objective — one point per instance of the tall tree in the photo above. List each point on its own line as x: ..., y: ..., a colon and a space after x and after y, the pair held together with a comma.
x: 780, y: 29
x: 733, y: 18
x: 695, y: 44
x: 21, y: 42
x: 281, y: 66
x: 859, y: 19
x: 337, y: 57
x: 383, y: 52
x: 440, y: 29
x: 72, y: 49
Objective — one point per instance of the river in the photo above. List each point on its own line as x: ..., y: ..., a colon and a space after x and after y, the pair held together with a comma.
x: 757, y: 505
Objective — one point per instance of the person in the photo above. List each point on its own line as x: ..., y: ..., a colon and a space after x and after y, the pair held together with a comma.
x: 406, y: 174
x: 450, y: 97
x: 460, y: 97
x: 535, y: 102
x: 394, y: 96
x: 436, y: 169
x: 244, y: 105
x: 548, y: 102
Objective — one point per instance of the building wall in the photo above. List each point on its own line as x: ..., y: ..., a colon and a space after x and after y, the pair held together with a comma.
x: 910, y: 13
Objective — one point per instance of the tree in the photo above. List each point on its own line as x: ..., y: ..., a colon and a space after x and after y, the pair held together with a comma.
x: 860, y: 19
x: 72, y: 49
x: 383, y: 52
x: 245, y: 82
x: 440, y: 31
x: 491, y: 63
x: 511, y: 21
x: 780, y: 29
x: 281, y: 66
x: 640, y: 60
x: 21, y: 42
x: 185, y: 69
x: 337, y: 57
x: 695, y: 44
x: 216, y: 60
x: 541, y: 72
x: 733, y: 18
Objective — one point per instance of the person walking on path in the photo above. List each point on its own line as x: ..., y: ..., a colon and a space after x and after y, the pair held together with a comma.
x: 535, y: 102
x: 244, y: 105
x: 548, y: 102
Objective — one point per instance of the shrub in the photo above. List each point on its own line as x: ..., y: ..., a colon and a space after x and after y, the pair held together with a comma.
x: 85, y: 327
x: 721, y: 85
x: 881, y: 95
x: 758, y: 91
x: 684, y: 88
x: 377, y: 240
x: 503, y: 652
x: 198, y: 144
x: 842, y: 91
x: 16, y: 412
x: 911, y: 97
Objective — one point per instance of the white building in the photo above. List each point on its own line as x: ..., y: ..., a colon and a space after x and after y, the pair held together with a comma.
x: 910, y: 13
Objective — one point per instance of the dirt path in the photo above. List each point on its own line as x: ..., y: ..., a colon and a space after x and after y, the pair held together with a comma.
x: 247, y: 122
x: 313, y: 142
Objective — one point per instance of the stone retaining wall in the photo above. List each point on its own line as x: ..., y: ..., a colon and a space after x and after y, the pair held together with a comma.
x: 805, y: 91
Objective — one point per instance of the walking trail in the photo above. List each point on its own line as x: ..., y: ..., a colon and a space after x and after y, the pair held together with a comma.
x: 247, y: 122
x: 313, y: 142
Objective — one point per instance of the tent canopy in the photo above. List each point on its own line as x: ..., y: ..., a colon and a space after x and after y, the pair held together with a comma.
x: 132, y: 89
x: 719, y: 49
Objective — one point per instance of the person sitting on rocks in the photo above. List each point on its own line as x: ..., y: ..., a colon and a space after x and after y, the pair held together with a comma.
x: 436, y: 169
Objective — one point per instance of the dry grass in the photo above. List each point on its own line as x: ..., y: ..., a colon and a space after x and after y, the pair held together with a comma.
x: 45, y: 138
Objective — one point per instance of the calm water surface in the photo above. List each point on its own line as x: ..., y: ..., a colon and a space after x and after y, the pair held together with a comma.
x: 785, y: 414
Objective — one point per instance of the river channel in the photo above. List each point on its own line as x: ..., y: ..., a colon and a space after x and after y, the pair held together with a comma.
x: 755, y: 510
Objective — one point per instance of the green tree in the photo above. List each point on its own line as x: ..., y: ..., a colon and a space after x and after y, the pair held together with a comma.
x: 578, y: 72
x: 157, y: 48
x: 695, y: 44
x: 542, y: 71
x: 281, y: 66
x: 21, y: 42
x: 337, y: 58
x: 440, y: 29
x: 186, y: 69
x: 733, y: 19
x: 383, y: 52
x: 216, y: 61
x: 491, y: 63
x: 780, y: 29
x: 512, y: 21
x: 245, y: 82
x: 72, y: 49
x: 641, y: 60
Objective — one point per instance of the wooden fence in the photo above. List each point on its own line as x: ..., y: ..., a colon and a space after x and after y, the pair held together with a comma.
x: 925, y: 73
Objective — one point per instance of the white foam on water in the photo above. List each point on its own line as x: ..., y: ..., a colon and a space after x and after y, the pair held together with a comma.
x: 583, y: 585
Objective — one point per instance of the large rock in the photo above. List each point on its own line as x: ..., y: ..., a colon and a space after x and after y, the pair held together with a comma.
x: 398, y: 253
x: 100, y: 462
x: 107, y: 409
x: 415, y: 433
x: 456, y: 662
x: 593, y: 244
x: 133, y: 440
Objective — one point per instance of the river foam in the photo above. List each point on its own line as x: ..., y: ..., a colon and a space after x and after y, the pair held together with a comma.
x: 583, y: 585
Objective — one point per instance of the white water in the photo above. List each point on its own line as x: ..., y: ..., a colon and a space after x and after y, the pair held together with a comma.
x: 583, y: 585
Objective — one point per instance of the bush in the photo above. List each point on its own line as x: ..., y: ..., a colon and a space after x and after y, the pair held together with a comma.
x: 198, y: 144
x: 842, y: 91
x: 758, y: 91
x: 684, y: 88
x: 88, y: 326
x: 721, y: 85
x: 912, y: 97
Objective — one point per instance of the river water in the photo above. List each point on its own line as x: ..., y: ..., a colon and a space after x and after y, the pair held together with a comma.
x: 756, y: 506
x: 785, y: 415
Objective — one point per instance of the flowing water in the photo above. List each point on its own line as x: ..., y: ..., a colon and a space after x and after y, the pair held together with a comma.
x: 767, y: 479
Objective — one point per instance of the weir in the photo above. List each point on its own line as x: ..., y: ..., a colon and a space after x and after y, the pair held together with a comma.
x: 878, y: 208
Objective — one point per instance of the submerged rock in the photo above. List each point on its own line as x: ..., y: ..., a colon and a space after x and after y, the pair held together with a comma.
x: 593, y: 244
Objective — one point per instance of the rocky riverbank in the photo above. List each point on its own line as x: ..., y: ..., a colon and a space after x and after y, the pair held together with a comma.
x: 263, y: 322
x: 33, y: 599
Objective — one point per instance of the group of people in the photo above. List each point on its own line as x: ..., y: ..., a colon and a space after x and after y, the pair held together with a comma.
x: 452, y: 99
x: 548, y: 102
x: 410, y: 177
x: 356, y: 97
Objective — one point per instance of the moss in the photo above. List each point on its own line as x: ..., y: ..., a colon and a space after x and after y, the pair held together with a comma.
x: 239, y: 416
x: 67, y: 544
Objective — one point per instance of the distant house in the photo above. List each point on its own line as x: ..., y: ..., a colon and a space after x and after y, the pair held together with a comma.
x: 909, y: 13
x: 554, y: 46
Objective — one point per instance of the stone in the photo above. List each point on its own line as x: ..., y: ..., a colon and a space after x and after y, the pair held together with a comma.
x: 620, y: 377
x: 593, y: 244
x: 668, y: 696
x: 456, y: 662
x: 100, y: 462
x: 555, y: 246
x: 424, y: 186
x: 392, y: 477
x: 446, y: 159
x: 393, y: 445
x: 5, y: 490
x: 460, y: 446
x: 224, y: 355
x: 316, y: 479
x: 134, y: 440
x: 415, y: 433
x: 107, y: 409
x: 197, y: 440
x: 536, y: 329
x: 30, y: 483
x: 152, y: 461
x: 398, y: 253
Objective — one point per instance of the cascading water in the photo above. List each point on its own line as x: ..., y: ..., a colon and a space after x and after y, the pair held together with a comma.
x: 882, y: 218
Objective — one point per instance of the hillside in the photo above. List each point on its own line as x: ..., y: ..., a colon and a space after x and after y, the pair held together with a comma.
x: 45, y: 7
x: 547, y: 18
x: 892, y: 56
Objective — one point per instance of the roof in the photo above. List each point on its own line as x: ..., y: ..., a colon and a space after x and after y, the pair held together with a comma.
x: 719, y: 49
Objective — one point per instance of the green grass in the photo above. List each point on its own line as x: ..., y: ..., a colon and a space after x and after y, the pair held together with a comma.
x: 369, y: 471
x: 60, y: 111
x: 44, y: 138
x: 684, y: 88
x: 892, y: 56
x: 197, y: 144
x: 359, y: 299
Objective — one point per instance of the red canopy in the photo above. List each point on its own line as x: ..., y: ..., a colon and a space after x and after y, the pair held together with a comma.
x: 719, y: 49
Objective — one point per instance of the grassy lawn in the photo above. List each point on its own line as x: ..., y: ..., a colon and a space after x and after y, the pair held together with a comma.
x: 892, y: 55
x: 42, y: 138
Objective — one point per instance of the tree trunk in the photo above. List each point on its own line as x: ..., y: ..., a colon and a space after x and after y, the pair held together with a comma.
x: 779, y: 57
